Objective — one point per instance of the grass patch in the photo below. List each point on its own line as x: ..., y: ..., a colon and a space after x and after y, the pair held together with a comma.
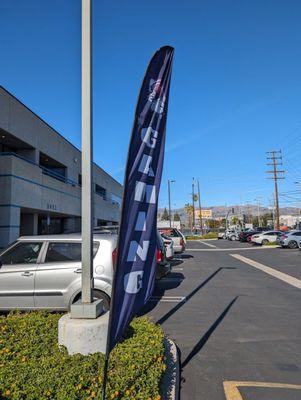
x: 34, y: 367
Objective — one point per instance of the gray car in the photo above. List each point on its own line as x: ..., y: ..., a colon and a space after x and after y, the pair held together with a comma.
x: 290, y: 239
x: 44, y: 272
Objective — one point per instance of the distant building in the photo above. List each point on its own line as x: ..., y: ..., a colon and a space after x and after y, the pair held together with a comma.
x: 167, y: 224
x: 290, y: 220
x: 40, y: 178
x: 206, y: 214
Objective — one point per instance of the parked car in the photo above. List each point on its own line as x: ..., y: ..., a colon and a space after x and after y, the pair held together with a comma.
x: 169, y: 246
x: 221, y: 234
x: 177, y: 237
x: 234, y: 235
x: 265, y: 237
x: 163, y: 266
x: 245, y: 236
x: 290, y: 239
x: 44, y: 272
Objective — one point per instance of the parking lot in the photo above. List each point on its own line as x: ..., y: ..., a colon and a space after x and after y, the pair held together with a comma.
x: 233, y: 309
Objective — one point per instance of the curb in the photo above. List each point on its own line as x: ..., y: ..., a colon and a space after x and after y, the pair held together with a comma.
x: 170, y: 383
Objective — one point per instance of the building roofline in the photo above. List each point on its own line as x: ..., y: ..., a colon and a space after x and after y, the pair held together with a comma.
x: 53, y: 129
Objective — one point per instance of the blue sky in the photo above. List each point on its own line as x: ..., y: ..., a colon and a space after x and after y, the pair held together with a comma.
x: 235, y: 94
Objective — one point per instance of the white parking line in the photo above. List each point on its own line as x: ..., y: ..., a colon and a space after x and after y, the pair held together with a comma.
x: 270, y: 271
x: 177, y: 269
x: 168, y: 299
x: 237, y: 248
x: 208, y: 244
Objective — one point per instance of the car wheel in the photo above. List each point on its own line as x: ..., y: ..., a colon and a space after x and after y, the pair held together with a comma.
x: 292, y: 244
x: 265, y: 241
x: 232, y: 238
x: 98, y: 294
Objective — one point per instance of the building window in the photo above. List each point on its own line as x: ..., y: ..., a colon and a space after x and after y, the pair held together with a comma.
x: 79, y: 179
x: 101, y: 191
x: 52, y: 167
x: 116, y: 199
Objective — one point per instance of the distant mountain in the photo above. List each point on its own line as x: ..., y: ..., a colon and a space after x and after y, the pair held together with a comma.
x: 221, y: 211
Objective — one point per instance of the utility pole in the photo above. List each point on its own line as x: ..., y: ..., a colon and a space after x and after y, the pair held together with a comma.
x: 258, y: 211
x: 276, y: 160
x: 200, y: 208
x: 169, y: 201
x: 193, y: 215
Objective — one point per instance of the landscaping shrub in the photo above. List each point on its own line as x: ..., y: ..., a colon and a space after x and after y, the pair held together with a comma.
x: 33, y: 366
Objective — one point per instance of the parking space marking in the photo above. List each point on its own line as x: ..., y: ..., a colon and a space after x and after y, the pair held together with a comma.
x: 232, y: 392
x: 168, y: 299
x: 177, y: 269
x: 270, y: 271
x: 236, y: 248
x: 208, y: 244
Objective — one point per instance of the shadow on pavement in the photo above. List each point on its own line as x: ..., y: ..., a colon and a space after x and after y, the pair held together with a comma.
x: 191, y: 294
x: 201, y: 343
x: 183, y: 256
x: 170, y: 281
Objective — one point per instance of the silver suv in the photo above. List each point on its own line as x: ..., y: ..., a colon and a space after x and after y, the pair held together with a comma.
x: 44, y: 272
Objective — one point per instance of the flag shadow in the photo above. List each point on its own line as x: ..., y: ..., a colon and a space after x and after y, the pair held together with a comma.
x: 169, y: 282
x: 191, y: 294
x: 201, y: 343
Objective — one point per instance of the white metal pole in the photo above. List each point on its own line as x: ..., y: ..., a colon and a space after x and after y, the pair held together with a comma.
x: 87, y: 158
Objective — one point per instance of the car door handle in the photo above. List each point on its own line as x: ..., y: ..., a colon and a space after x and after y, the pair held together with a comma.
x: 27, y: 273
x: 78, y: 271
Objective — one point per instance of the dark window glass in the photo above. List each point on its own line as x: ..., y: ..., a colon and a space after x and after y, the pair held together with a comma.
x: 101, y: 191
x: 22, y: 253
x: 66, y: 251
x: 297, y: 234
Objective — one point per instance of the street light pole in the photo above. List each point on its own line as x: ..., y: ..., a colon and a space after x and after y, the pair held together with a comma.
x: 169, y: 201
x: 193, y: 215
x: 87, y: 153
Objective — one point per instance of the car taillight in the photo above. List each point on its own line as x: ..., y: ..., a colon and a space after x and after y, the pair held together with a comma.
x: 114, y: 257
x: 158, y: 255
x: 181, y: 242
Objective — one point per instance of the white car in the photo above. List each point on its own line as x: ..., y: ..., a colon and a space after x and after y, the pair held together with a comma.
x: 168, y: 242
x: 177, y: 237
x: 265, y: 237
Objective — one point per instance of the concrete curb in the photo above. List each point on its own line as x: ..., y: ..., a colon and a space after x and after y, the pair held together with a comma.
x: 170, y: 383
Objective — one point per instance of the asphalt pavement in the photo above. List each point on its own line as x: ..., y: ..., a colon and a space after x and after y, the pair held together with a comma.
x: 233, y: 310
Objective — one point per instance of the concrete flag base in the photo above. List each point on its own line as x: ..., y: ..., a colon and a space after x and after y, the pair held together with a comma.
x: 84, y: 336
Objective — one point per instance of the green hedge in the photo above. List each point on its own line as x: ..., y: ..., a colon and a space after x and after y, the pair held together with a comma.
x: 32, y: 366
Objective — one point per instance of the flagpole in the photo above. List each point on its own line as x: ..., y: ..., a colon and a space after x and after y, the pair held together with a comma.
x: 87, y: 171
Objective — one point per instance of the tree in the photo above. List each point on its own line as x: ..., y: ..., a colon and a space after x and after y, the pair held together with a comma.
x: 165, y: 215
x: 176, y: 217
x: 235, y: 220
x: 189, y: 211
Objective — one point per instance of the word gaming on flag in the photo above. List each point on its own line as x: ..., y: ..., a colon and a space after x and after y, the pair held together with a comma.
x: 135, y: 268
